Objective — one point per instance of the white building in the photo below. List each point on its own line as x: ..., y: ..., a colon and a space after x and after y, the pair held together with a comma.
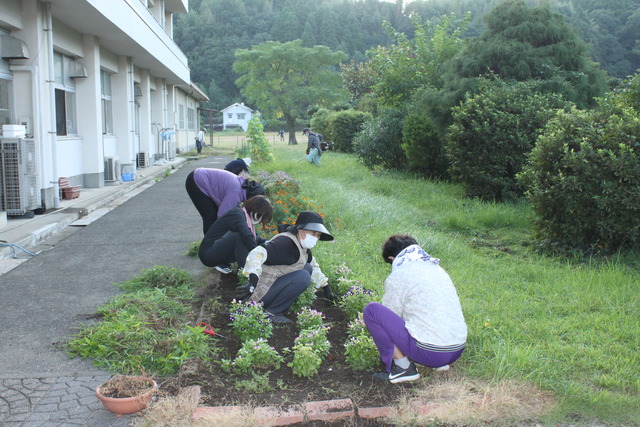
x: 236, y: 115
x: 98, y: 84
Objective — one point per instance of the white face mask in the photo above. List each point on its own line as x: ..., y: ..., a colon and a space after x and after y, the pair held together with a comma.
x: 255, y: 220
x: 309, y: 241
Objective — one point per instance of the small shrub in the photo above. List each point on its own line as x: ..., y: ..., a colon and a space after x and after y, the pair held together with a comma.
x: 355, y: 299
x: 258, y: 146
x: 256, y: 355
x: 194, y: 248
x: 583, y: 180
x: 259, y: 383
x: 305, y: 299
x: 361, y: 353
x: 492, y: 134
x: 309, y: 318
x: 249, y: 321
x: 316, y: 338
x: 423, y: 146
x: 345, y: 125
x: 306, y: 361
x: 379, y: 144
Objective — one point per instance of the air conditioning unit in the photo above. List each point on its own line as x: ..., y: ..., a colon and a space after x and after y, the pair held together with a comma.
x: 112, y: 168
x: 19, y: 184
x: 142, y: 160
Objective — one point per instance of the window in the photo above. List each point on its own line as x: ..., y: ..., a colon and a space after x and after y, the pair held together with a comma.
x: 241, y: 116
x: 180, y: 116
x: 65, y: 90
x: 5, y: 111
x: 107, y: 112
x: 191, y: 118
x: 230, y: 115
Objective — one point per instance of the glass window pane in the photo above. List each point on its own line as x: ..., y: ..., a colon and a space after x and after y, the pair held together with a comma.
x: 70, y: 99
x: 61, y: 111
x: 5, y: 112
x: 57, y: 67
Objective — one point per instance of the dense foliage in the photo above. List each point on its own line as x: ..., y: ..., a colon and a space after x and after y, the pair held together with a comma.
x: 340, y: 127
x: 213, y: 29
x: 584, y: 177
x: 379, y: 144
x: 285, y: 79
x: 492, y: 134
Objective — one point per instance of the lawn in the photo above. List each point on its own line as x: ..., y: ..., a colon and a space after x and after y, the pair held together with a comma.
x: 566, y: 325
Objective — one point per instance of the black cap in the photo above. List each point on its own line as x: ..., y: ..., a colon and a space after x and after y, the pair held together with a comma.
x: 312, y: 221
x: 305, y: 130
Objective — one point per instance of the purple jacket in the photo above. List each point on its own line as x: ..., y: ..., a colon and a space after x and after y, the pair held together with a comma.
x: 223, y: 187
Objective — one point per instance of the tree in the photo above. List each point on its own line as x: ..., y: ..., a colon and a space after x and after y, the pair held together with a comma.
x: 285, y: 79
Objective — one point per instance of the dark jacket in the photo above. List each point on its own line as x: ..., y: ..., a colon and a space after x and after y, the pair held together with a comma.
x: 232, y: 220
x: 314, y: 142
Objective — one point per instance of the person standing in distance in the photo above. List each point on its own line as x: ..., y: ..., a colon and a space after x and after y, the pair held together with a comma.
x: 313, y: 147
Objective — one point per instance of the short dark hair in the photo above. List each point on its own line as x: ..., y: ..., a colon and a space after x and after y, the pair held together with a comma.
x: 261, y: 206
x: 395, y: 244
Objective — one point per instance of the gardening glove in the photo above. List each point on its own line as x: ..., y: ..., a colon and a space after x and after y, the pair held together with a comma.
x: 328, y: 294
x: 244, y: 291
x: 307, y: 151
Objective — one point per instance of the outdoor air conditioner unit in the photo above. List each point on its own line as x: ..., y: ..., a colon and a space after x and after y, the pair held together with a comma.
x: 19, y: 186
x: 112, y: 168
x: 142, y: 160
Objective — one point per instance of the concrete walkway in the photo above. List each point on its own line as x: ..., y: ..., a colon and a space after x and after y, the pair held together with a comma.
x: 106, y: 236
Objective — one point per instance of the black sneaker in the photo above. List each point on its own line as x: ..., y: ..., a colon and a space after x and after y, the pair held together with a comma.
x: 399, y: 375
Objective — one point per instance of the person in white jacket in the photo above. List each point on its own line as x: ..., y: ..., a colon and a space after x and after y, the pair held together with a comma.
x: 420, y: 318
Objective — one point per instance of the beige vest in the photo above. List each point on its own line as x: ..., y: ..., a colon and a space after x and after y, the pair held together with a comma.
x: 272, y: 272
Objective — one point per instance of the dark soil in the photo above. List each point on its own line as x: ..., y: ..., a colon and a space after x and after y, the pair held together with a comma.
x: 335, y: 379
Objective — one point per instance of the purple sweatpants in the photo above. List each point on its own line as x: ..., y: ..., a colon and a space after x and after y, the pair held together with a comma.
x: 388, y: 330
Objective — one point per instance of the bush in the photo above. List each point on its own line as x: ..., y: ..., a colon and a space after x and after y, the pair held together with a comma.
x: 321, y: 123
x: 583, y: 179
x: 258, y: 147
x: 492, y: 134
x: 379, y: 144
x: 344, y: 127
x: 423, y: 146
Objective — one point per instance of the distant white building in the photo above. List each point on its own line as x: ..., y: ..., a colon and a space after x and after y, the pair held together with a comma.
x: 236, y: 115
x: 97, y: 84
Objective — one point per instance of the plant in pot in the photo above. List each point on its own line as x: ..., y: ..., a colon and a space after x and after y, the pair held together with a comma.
x: 125, y: 394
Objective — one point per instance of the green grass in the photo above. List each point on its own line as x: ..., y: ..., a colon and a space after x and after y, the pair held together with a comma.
x: 568, y: 325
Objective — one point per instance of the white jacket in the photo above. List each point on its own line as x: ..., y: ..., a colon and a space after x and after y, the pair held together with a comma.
x: 422, y: 293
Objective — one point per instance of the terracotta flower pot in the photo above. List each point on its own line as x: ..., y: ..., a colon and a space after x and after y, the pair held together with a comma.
x: 128, y: 405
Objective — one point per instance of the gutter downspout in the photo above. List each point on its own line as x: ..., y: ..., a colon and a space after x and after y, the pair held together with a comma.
x: 52, y: 96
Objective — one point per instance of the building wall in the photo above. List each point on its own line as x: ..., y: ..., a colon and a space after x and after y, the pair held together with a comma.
x: 149, y: 78
x: 234, y: 110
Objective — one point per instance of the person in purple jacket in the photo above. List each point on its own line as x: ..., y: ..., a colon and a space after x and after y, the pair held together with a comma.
x: 216, y: 191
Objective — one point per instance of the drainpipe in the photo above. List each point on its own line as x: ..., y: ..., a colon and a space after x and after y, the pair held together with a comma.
x: 52, y: 107
x: 35, y: 96
x: 133, y: 108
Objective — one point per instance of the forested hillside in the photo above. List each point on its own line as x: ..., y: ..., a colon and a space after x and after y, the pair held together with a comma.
x: 213, y: 29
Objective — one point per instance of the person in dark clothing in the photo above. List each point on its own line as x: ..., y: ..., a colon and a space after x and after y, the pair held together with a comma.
x: 284, y: 267
x: 215, y: 191
x: 233, y: 235
x: 314, y: 151
x: 238, y: 165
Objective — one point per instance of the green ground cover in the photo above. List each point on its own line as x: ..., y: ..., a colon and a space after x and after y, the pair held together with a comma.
x: 567, y: 325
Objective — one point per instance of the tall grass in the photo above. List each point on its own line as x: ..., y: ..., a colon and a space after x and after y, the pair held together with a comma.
x: 569, y: 326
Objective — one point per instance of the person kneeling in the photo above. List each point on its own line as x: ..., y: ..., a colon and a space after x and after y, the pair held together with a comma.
x: 420, y: 319
x: 285, y: 267
x: 233, y: 235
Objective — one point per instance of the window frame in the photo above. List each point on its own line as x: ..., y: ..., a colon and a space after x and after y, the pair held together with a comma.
x: 66, y: 117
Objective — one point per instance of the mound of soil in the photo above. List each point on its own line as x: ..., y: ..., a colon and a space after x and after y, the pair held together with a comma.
x: 335, y: 379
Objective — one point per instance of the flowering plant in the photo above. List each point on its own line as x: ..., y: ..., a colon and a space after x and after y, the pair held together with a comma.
x: 356, y: 298
x: 306, y: 361
x: 357, y: 327
x: 249, y: 321
x: 256, y: 354
x: 361, y: 353
x: 315, y: 338
x: 305, y: 299
x: 309, y: 318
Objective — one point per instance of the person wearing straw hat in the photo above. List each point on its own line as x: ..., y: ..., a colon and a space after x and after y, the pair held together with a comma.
x: 284, y: 267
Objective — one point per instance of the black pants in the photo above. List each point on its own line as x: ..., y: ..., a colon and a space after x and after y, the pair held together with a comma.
x: 286, y: 289
x: 206, y: 207
x: 227, y: 249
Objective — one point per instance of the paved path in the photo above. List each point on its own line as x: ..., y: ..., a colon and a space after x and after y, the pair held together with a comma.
x: 46, y: 299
